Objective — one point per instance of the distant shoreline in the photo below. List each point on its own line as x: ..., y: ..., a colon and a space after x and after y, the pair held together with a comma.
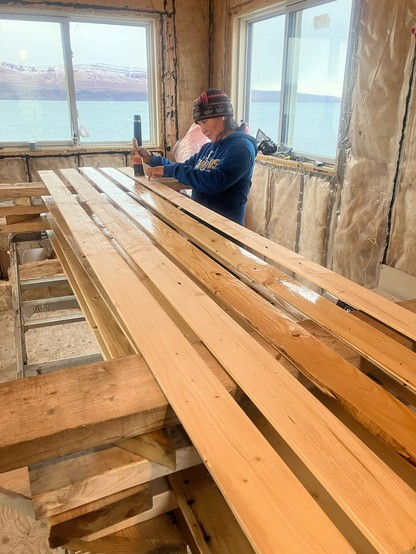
x: 100, y: 82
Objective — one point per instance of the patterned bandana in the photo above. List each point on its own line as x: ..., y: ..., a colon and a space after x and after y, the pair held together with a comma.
x: 212, y: 103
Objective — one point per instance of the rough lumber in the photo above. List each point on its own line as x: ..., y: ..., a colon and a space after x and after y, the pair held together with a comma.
x: 341, y: 287
x: 19, y: 190
x: 369, y: 403
x: 16, y: 480
x: 156, y: 446
x: 158, y: 535
x: 384, y: 352
x: 196, y: 391
x: 104, y: 402
x: 68, y: 484
x: 112, y: 340
x: 265, y: 382
x: 7, y: 211
x: 201, y: 501
x: 27, y: 225
x: 101, y: 518
x: 163, y: 501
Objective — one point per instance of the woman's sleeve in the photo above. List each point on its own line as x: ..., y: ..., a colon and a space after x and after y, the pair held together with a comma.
x: 227, y: 171
x: 160, y: 160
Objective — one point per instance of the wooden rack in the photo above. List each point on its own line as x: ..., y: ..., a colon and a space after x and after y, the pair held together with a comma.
x: 196, y: 409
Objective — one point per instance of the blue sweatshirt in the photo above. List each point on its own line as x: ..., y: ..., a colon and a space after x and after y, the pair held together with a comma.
x: 219, y: 174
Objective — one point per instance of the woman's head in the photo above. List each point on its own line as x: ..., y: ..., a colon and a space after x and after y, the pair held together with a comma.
x: 214, y: 113
x: 212, y: 104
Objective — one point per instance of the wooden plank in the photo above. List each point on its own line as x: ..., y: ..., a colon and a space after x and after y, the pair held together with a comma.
x: 368, y: 402
x: 96, y: 505
x: 264, y: 380
x: 123, y: 400
x: 195, y: 391
x: 211, y: 522
x: 384, y: 352
x: 16, y: 481
x: 70, y: 483
x: 101, y: 518
x: 110, y: 337
x: 28, y: 225
x: 163, y: 501
x: 353, y: 294
x: 156, y: 446
x: 7, y: 211
x: 20, y: 190
x: 158, y: 535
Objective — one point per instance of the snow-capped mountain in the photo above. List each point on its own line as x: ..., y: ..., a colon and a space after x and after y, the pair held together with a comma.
x: 92, y: 82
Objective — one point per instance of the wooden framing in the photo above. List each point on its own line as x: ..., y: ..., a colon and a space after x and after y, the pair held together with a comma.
x: 173, y: 304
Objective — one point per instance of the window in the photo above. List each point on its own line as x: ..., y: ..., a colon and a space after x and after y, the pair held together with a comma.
x: 292, y: 75
x: 75, y: 81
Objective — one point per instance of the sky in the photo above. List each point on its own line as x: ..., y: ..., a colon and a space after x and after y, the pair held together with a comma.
x: 324, y: 33
x: 35, y: 42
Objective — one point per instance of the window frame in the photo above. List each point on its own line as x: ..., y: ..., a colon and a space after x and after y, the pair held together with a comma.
x: 64, y: 20
x: 241, y: 72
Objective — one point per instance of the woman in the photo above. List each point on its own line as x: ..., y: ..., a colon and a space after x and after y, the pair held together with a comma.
x: 220, y: 173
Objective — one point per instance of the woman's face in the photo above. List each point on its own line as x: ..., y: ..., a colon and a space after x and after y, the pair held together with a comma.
x: 212, y: 128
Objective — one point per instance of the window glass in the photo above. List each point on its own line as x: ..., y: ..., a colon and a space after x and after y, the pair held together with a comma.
x: 295, y: 75
x: 318, y: 52
x: 73, y: 80
x: 33, y: 96
x: 265, y: 75
x: 110, y: 80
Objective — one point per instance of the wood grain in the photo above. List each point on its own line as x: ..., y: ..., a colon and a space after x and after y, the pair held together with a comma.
x: 360, y: 395
x: 341, y: 287
x: 372, y: 344
x: 312, y: 429
x: 191, y: 390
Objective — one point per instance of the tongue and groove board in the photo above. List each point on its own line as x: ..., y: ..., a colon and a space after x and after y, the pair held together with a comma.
x: 302, y: 421
x: 387, y: 354
x: 353, y: 294
x: 272, y: 507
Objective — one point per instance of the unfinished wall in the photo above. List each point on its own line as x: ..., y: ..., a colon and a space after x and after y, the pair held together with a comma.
x: 292, y: 206
x: 350, y: 221
x: 401, y: 250
x: 385, y: 62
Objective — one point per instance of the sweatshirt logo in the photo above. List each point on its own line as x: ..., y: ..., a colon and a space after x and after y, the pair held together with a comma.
x: 206, y: 163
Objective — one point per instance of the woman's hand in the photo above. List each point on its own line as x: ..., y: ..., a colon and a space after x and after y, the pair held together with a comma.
x: 154, y: 171
x: 142, y: 152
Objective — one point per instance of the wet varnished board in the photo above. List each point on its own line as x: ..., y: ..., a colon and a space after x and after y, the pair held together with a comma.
x: 341, y: 287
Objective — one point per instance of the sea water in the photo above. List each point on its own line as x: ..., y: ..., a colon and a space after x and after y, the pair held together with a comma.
x: 315, y: 128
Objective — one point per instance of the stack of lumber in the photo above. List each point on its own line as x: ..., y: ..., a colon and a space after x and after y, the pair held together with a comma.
x: 194, y: 432
x: 21, y: 208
